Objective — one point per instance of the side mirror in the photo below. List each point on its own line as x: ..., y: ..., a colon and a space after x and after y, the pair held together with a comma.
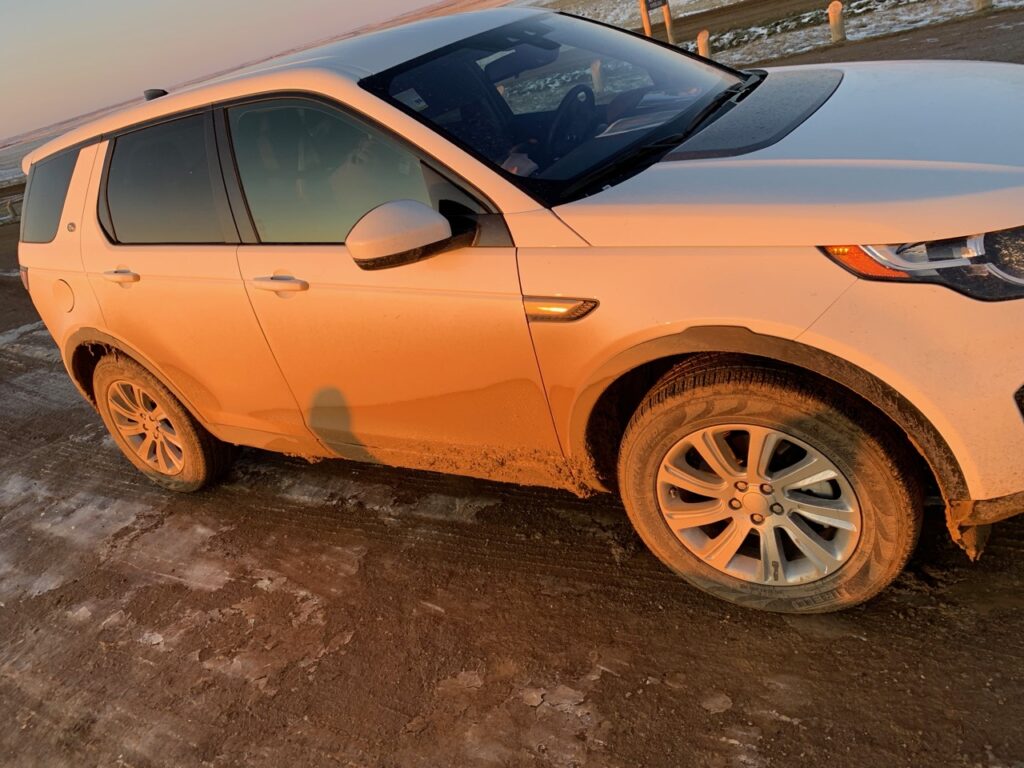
x: 400, y: 232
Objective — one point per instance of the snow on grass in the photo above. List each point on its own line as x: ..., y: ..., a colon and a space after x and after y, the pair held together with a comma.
x: 621, y: 13
x: 864, y: 19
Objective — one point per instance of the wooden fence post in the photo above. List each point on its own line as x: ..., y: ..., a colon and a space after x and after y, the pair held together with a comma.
x: 645, y: 17
x: 835, y: 21
x: 669, y: 32
x: 704, y: 43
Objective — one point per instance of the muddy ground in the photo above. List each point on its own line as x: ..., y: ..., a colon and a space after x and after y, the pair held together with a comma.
x: 338, y: 614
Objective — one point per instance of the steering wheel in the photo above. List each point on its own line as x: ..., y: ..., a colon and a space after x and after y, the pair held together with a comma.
x: 573, y: 120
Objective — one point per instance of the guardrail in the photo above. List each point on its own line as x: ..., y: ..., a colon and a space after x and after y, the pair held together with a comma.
x: 11, y: 199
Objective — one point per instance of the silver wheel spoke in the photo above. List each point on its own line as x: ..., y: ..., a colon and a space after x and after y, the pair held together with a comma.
x: 725, y: 546
x: 812, y: 545
x: 171, y: 439
x: 760, y: 451
x: 696, y: 515
x: 811, y: 469
x: 163, y: 459
x: 168, y: 460
x: 835, y: 513
x: 715, y: 453
x: 122, y: 409
x: 147, y: 402
x: 175, y: 452
x: 146, y: 448
x: 132, y: 429
x: 688, y: 480
x: 772, y: 563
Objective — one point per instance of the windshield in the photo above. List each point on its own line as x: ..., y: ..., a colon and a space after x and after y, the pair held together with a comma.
x: 553, y: 99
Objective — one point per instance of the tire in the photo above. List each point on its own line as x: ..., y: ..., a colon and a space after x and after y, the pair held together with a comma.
x: 183, y: 455
x: 831, y: 458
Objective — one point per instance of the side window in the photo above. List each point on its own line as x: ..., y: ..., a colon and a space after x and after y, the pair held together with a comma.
x: 163, y: 188
x: 48, y: 184
x: 310, y: 172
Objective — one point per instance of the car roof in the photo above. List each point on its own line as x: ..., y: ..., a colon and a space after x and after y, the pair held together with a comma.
x: 353, y: 59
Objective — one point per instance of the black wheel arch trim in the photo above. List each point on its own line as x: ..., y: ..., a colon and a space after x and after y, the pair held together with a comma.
x: 740, y: 340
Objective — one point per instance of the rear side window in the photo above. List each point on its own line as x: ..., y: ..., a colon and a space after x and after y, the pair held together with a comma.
x: 48, y: 183
x: 163, y: 186
x: 310, y: 172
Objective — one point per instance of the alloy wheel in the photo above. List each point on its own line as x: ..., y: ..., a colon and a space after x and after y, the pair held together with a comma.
x: 759, y: 504
x: 145, y: 426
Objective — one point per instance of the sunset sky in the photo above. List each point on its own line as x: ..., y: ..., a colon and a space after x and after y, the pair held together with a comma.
x: 61, y: 58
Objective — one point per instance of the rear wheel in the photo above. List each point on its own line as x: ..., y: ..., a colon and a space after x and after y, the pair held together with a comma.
x: 153, y: 430
x: 767, y: 493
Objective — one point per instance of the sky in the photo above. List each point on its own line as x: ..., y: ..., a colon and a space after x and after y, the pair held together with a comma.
x: 63, y: 58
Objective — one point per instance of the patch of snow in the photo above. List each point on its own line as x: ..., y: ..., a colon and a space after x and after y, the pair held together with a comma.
x: 621, y: 13
x: 14, y: 334
x: 864, y: 19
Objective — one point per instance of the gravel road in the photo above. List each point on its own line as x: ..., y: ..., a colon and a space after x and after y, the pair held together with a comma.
x: 337, y: 614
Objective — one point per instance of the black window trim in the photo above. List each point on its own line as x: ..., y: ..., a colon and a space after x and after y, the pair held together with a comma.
x: 225, y: 215
x: 233, y: 180
x: 493, y: 225
x: 77, y: 149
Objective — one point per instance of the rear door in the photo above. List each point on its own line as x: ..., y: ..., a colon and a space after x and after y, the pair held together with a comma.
x: 161, y: 258
x: 427, y: 365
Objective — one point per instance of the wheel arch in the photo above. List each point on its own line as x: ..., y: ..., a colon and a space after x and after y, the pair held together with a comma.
x: 603, y: 408
x: 86, y: 347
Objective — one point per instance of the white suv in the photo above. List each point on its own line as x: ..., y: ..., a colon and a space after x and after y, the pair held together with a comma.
x: 774, y: 310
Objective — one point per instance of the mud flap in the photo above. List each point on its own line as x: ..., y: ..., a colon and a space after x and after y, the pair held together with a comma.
x: 969, y: 522
x: 970, y: 538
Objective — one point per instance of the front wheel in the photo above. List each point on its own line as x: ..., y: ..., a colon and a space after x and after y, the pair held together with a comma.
x: 766, y: 492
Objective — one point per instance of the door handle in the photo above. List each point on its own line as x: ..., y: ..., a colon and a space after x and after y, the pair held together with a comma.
x: 122, y: 276
x: 280, y: 284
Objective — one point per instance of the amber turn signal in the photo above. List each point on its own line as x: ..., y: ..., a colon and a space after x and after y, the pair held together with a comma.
x: 856, y: 259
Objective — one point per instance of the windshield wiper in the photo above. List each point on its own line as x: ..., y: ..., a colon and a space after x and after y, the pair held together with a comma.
x: 731, y: 95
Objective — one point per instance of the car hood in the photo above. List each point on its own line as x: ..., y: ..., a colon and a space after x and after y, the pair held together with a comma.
x: 901, y: 152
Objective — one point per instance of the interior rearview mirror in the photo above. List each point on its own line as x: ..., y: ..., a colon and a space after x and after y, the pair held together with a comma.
x: 400, y: 232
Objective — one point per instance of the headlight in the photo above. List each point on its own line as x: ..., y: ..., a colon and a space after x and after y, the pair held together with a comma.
x: 987, y: 267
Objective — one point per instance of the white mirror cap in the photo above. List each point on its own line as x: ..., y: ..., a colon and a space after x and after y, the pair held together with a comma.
x: 396, y: 228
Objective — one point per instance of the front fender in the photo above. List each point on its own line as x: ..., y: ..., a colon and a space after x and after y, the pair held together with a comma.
x: 738, y: 340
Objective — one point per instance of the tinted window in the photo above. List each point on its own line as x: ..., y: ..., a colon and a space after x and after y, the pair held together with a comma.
x: 161, y: 187
x: 311, y: 172
x: 47, y: 189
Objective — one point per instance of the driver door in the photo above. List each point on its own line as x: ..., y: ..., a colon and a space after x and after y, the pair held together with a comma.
x: 428, y: 365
